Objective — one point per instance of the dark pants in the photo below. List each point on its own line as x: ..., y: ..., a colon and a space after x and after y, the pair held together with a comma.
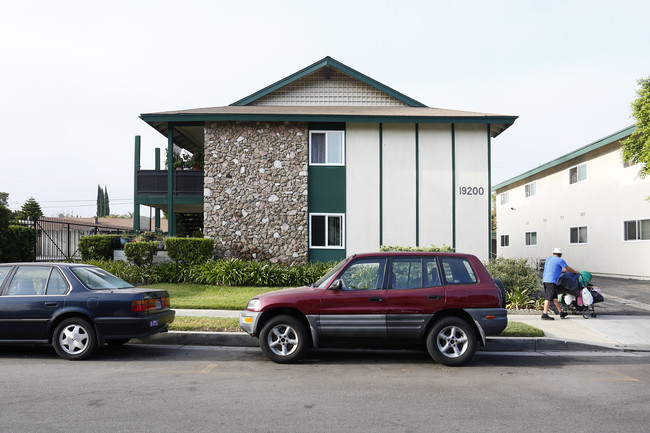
x: 550, y: 291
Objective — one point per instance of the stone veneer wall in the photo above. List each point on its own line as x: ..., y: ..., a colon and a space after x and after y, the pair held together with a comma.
x: 255, y: 203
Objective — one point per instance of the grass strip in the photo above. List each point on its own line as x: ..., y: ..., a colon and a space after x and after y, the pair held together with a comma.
x: 200, y: 296
x: 231, y: 324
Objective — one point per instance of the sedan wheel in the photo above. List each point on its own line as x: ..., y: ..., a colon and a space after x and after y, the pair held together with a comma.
x: 74, y: 339
x: 452, y: 341
x: 283, y: 339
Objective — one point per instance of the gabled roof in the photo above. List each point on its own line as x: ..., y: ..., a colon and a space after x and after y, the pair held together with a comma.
x: 363, y: 100
x: 569, y: 156
x: 327, y: 63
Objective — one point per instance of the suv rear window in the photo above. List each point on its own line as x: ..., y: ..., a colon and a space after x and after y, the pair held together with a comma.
x: 457, y: 270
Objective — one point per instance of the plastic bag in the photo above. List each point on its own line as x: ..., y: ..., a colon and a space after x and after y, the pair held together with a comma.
x: 587, y: 299
x: 568, y: 299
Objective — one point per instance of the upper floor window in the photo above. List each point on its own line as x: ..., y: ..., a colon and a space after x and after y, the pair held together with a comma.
x: 531, y: 238
x: 530, y: 189
x: 578, y: 173
x: 637, y: 230
x: 505, y: 197
x: 505, y: 240
x: 578, y: 235
x: 326, y: 148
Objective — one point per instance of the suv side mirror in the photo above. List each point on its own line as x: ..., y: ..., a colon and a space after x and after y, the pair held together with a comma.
x: 336, y: 285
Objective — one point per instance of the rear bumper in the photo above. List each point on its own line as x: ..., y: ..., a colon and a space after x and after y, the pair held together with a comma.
x: 489, y: 321
x: 134, y: 327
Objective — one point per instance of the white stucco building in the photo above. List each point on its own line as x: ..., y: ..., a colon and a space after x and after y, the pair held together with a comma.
x: 589, y: 202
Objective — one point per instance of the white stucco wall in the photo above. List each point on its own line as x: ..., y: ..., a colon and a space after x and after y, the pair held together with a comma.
x: 362, y: 187
x: 404, y: 194
x: 610, y: 195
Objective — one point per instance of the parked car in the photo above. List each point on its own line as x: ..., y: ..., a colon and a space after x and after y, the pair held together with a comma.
x: 76, y: 308
x: 446, y: 301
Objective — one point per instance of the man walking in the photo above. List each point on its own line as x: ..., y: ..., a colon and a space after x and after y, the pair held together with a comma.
x: 553, y: 268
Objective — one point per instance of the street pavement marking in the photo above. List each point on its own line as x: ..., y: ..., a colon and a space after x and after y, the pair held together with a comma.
x: 207, y: 370
x: 621, y: 378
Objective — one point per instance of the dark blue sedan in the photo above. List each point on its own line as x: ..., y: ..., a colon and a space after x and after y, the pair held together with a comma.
x: 76, y: 308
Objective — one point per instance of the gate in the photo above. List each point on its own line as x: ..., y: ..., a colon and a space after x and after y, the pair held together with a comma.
x: 57, y: 239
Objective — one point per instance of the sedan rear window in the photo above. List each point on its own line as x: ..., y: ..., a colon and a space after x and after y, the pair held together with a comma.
x: 97, y: 279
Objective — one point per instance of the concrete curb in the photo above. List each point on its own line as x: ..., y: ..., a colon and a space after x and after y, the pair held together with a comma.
x: 494, y: 344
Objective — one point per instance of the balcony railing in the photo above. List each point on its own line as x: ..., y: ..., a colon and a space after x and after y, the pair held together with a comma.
x: 185, y: 182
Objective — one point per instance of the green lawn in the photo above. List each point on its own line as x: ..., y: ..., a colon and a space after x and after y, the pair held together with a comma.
x: 198, y: 296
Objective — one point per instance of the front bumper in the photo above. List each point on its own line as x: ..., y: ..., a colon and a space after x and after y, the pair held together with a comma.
x: 248, y: 321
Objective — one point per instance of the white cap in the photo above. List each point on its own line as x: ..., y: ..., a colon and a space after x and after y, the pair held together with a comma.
x: 557, y: 251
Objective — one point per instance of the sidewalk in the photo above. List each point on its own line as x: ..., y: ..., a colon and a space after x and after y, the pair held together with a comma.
x: 604, y: 332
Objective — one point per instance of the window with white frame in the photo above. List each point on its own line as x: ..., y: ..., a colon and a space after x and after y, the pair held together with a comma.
x: 326, y: 147
x: 505, y: 240
x: 505, y: 197
x: 636, y: 230
x: 530, y: 189
x: 531, y: 238
x: 578, y: 235
x: 326, y: 230
x: 578, y: 173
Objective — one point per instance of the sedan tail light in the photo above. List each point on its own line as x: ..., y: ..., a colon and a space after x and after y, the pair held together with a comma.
x: 149, y: 304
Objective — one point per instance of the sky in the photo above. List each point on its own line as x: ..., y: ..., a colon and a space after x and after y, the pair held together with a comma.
x: 75, y: 75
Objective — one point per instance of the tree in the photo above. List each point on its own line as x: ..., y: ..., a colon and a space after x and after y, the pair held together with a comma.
x: 4, y: 199
x: 636, y: 148
x: 107, y: 208
x: 31, y: 210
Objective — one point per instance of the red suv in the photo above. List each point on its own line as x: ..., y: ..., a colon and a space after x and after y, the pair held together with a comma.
x: 447, y: 301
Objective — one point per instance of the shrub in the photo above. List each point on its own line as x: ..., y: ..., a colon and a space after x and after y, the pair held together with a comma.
x: 98, y: 247
x: 22, y: 240
x: 522, y: 283
x: 189, y: 251
x: 141, y: 253
x: 442, y: 249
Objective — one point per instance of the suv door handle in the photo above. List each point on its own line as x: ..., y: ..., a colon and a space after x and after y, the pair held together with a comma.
x: 434, y: 297
x: 51, y: 304
x: 377, y: 299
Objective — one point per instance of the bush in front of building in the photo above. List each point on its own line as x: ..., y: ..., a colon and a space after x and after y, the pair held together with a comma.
x: 141, y: 253
x: 441, y: 249
x: 98, y: 247
x: 189, y: 251
x: 21, y: 241
x: 522, y: 283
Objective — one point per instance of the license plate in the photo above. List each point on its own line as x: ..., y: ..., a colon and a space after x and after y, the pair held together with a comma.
x: 153, y: 323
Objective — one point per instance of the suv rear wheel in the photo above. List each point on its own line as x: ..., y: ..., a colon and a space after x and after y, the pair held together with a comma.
x: 452, y: 341
x: 283, y: 339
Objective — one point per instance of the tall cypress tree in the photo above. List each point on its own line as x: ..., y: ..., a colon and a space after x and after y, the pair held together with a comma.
x: 100, y: 201
x: 107, y: 207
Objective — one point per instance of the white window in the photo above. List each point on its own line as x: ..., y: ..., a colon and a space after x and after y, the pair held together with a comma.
x: 326, y: 230
x: 578, y: 173
x: 530, y: 189
x: 505, y: 197
x: 531, y: 238
x: 636, y: 230
x: 578, y: 235
x: 505, y: 240
x: 326, y: 147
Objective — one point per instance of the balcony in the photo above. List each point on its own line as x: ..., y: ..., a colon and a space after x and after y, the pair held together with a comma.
x: 187, y: 190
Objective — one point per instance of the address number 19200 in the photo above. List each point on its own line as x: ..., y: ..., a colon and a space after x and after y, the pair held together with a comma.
x: 471, y: 190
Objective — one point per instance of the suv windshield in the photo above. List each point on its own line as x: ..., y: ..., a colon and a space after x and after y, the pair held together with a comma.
x: 325, y: 279
x: 97, y: 278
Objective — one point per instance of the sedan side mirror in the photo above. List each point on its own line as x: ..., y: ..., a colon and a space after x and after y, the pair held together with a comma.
x: 336, y: 285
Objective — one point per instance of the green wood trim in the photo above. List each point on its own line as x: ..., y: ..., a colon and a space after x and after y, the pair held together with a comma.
x: 184, y: 118
x: 327, y: 62
x: 489, y: 195
x: 171, y: 216
x: 417, y: 185
x: 453, y: 186
x: 136, y: 205
x: 381, y: 184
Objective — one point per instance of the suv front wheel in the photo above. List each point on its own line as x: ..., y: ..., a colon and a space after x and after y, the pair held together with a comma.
x: 452, y: 341
x: 283, y: 339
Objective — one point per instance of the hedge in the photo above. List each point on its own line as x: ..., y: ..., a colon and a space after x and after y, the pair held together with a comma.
x: 141, y: 253
x: 189, y: 251
x: 98, y: 247
x: 20, y: 242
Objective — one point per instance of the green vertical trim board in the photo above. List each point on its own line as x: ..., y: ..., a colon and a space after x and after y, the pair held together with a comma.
x: 381, y: 184
x: 489, y: 189
x: 136, y: 204
x: 453, y: 186
x: 417, y: 185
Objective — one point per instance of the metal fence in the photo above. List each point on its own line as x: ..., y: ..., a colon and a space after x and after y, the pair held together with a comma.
x: 58, y: 240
